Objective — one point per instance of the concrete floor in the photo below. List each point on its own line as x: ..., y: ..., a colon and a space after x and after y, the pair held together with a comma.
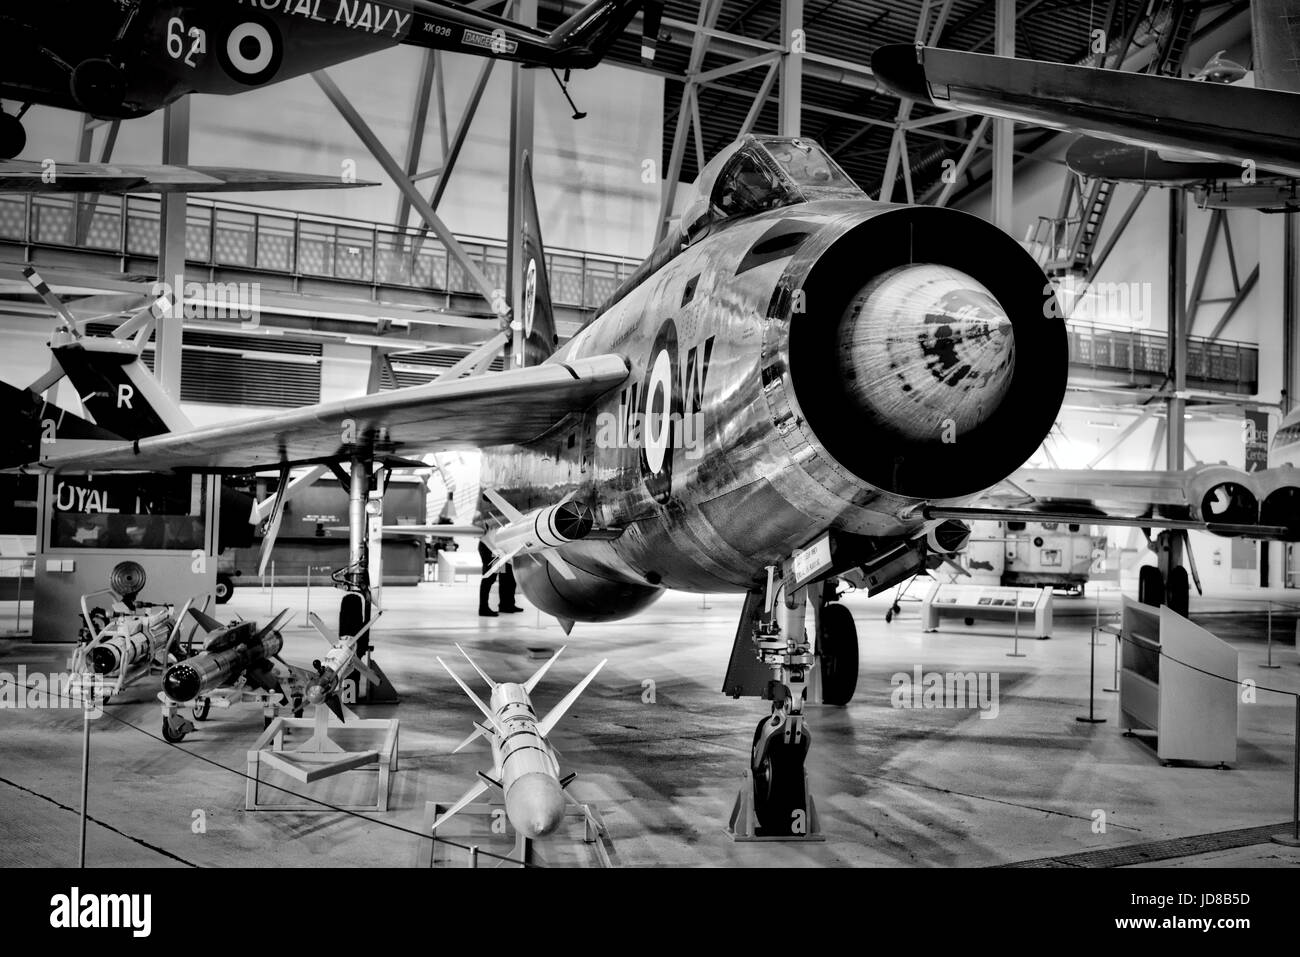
x: 893, y: 786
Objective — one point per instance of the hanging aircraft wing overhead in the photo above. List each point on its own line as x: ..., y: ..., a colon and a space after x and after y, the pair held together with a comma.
x: 500, y: 408
x: 1213, y: 498
x: 1213, y: 120
x: 23, y: 176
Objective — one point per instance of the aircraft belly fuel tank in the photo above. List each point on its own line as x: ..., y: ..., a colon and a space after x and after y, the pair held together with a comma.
x: 831, y: 365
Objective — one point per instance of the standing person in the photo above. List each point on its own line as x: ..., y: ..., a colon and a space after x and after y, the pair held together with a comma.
x: 507, y: 590
x: 485, y: 583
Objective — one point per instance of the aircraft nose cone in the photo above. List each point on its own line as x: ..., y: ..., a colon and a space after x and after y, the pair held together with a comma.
x: 535, y: 805
x: 926, y: 352
x: 181, y: 683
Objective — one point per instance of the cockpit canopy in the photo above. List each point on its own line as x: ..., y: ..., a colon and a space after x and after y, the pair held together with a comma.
x: 758, y: 173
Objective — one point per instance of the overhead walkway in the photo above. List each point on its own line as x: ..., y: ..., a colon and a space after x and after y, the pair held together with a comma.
x: 339, y: 270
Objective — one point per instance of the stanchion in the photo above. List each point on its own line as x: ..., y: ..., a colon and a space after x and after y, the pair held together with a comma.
x: 1293, y: 839
x: 272, y: 608
x: 1114, y: 678
x: 85, y: 779
x: 704, y: 602
x: 1092, y: 670
x: 1016, y: 652
x: 473, y: 856
x: 1269, y: 663
x: 18, y: 605
x: 306, y: 622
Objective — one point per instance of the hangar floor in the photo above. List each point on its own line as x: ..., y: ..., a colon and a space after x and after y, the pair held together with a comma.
x: 894, y: 786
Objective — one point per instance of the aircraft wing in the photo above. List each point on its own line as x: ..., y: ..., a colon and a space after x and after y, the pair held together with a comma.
x: 1217, y: 121
x: 23, y: 176
x: 493, y: 409
x: 1213, y: 498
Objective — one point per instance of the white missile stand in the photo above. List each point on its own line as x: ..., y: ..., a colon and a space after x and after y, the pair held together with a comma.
x: 320, y: 756
x: 485, y: 829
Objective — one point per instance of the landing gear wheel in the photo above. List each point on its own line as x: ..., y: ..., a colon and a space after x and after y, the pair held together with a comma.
x: 839, y: 654
x: 13, y: 138
x: 1178, y: 590
x: 778, y: 780
x: 352, y: 615
x: 98, y: 86
x: 968, y: 621
x: 173, y: 737
x: 1151, y: 586
x: 225, y: 588
x: 201, y: 712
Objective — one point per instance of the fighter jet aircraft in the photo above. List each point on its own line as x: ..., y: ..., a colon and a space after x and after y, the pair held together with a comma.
x: 127, y: 58
x: 799, y: 382
x: 1183, y: 120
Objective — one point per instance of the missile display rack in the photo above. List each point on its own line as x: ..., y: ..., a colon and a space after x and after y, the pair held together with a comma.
x: 281, y: 749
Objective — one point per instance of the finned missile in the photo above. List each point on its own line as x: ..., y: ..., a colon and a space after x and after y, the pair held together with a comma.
x: 544, y: 528
x: 339, y: 662
x: 208, y: 670
x: 525, y: 766
x: 231, y: 651
x: 136, y: 639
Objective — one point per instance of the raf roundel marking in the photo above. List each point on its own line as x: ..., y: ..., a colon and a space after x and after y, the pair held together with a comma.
x: 530, y: 298
x: 658, y: 405
x: 252, y: 51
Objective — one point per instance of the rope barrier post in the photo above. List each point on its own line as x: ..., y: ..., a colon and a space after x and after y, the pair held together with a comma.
x: 1092, y: 670
x: 85, y: 780
x: 1269, y: 663
x: 1016, y: 652
x: 1114, y: 678
x: 18, y: 605
x: 473, y: 856
x: 1293, y: 839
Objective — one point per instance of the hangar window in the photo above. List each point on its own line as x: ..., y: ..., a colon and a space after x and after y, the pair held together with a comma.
x: 128, y: 511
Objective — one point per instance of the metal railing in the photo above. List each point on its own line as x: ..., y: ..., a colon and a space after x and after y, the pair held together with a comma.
x: 306, y: 246
x: 297, y: 245
x: 1119, y: 349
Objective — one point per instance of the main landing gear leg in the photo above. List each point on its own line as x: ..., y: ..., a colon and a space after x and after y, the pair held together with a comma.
x: 1167, y: 582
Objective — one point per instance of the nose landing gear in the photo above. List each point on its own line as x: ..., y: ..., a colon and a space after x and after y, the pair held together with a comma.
x: 775, y: 802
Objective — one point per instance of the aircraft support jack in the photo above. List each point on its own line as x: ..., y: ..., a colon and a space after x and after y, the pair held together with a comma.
x: 564, y: 88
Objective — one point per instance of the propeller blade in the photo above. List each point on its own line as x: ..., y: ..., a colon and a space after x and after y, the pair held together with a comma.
x: 54, y: 302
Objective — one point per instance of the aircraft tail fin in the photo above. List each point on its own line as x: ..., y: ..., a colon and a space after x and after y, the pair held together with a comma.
x: 547, y: 724
x: 537, y: 316
x: 36, y: 423
x: 587, y: 36
x: 1275, y: 43
x: 117, y: 389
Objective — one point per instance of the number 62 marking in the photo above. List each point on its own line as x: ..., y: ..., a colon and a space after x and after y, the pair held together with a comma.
x: 176, y: 34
